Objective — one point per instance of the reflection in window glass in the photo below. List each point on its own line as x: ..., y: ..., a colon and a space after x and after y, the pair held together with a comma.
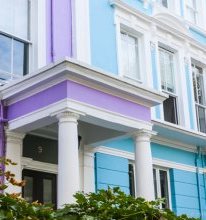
x: 28, y: 189
x: 5, y: 54
x: 202, y: 118
x: 155, y: 183
x: 199, y: 95
x: 13, y: 58
x: 161, y: 185
x: 16, y: 15
x: 47, y: 191
x: 130, y: 56
x: 18, y: 59
x: 164, y: 188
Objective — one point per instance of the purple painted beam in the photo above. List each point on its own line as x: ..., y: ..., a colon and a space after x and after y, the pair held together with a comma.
x: 59, y: 29
x: 81, y: 93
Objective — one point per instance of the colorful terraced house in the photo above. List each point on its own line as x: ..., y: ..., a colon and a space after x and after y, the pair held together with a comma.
x: 99, y: 93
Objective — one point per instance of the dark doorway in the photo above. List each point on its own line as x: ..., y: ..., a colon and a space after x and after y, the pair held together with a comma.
x: 40, y: 187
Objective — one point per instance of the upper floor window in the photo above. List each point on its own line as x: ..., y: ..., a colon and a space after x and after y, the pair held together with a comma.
x: 15, y: 17
x: 199, y: 95
x: 192, y: 13
x: 161, y: 185
x: 14, y: 35
x: 13, y: 58
x: 129, y: 56
x: 166, y: 59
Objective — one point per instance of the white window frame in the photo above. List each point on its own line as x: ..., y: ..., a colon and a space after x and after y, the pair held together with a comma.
x: 12, y: 74
x: 175, y: 93
x: 157, y: 169
x: 22, y: 40
x: 158, y: 179
x: 197, y: 104
x: 139, y: 37
x: 194, y: 10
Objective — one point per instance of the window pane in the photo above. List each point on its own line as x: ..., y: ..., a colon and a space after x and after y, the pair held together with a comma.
x: 167, y: 70
x: 200, y: 89
x: 18, y: 57
x: 131, y: 180
x: 133, y: 57
x: 164, y: 188
x: 5, y: 54
x: 15, y: 13
x: 191, y: 15
x: 165, y: 3
x: 170, y: 110
x: 129, y: 56
x: 6, y: 15
x: 198, y: 85
x: 47, y: 194
x: 124, y: 54
x: 202, y: 119
x: 21, y: 18
x: 28, y: 189
x: 155, y: 183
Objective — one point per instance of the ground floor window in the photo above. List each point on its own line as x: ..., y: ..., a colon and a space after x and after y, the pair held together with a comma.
x: 161, y: 185
x: 40, y: 186
x: 131, y: 180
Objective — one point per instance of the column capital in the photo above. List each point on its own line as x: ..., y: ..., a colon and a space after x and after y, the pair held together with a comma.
x: 143, y: 135
x: 14, y: 136
x: 68, y: 116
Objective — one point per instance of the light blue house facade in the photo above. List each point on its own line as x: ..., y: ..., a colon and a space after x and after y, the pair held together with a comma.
x: 106, y: 93
x: 164, y: 34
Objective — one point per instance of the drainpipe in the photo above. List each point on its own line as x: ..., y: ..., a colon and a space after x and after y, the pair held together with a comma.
x: 204, y: 177
x: 52, y: 30
x: 197, y: 162
x: 3, y: 121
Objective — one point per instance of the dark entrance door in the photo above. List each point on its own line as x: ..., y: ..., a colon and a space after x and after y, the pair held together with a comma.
x: 40, y: 186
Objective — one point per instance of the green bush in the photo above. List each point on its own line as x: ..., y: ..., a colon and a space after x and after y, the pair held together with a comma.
x: 114, y: 204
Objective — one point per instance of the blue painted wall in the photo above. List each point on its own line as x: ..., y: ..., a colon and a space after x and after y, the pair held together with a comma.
x: 184, y: 192
x: 103, y: 33
x: 158, y: 151
x: 103, y: 36
x: 111, y: 171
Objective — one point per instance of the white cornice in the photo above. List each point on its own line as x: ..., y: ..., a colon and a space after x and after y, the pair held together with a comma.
x: 70, y: 69
x: 180, y: 129
x: 158, y: 23
x: 88, y: 112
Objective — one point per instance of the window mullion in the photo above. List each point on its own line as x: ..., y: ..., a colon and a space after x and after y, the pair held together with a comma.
x: 12, y: 57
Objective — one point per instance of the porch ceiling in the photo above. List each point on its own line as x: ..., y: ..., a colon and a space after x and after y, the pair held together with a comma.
x: 90, y: 133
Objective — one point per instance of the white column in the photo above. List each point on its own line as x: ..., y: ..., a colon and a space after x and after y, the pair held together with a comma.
x: 143, y: 165
x: 68, y: 158
x: 14, y: 144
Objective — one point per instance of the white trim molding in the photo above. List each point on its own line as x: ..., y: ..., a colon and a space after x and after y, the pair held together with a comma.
x: 156, y: 161
x: 71, y: 69
x: 29, y: 163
